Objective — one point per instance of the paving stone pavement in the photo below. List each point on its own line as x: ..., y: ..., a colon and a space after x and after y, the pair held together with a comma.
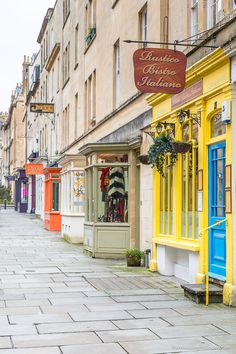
x: 54, y: 299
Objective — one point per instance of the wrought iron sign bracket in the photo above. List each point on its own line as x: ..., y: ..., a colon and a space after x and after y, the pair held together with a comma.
x: 175, y: 43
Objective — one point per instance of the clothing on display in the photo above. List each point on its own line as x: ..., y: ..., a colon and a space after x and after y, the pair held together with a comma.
x: 114, y: 196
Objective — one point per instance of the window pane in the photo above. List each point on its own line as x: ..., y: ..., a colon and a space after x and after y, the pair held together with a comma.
x: 113, y: 186
x: 55, y: 196
x: 217, y: 127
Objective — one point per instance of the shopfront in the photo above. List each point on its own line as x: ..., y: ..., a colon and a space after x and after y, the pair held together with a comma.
x: 52, y: 215
x: 72, y: 198
x: 21, y: 191
x: 192, y: 211
x: 112, y: 198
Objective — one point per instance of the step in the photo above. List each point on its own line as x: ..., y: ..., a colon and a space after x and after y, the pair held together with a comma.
x: 197, y: 293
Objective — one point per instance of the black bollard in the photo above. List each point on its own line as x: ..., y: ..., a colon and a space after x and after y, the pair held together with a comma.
x: 5, y: 204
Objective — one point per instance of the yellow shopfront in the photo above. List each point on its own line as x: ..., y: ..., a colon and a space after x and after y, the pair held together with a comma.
x: 192, y: 225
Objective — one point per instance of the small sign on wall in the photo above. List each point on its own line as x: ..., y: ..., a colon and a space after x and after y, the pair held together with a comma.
x: 34, y: 169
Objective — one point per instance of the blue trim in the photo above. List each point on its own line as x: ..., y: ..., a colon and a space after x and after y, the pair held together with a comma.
x: 216, y: 202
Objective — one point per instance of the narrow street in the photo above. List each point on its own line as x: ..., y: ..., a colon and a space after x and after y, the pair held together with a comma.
x: 56, y: 300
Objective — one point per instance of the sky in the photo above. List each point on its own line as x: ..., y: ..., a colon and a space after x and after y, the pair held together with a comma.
x: 20, y: 25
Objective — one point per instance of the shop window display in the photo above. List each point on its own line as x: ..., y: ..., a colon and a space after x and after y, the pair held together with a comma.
x: 113, y: 194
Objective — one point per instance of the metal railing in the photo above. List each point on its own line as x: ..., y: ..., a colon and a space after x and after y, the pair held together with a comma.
x: 201, y: 234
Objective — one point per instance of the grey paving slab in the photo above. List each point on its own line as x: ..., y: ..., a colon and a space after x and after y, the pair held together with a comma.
x: 99, y: 315
x: 115, y: 307
x: 199, y: 319
x: 80, y: 300
x: 5, y: 342
x: 142, y: 298
x: 64, y: 308
x: 20, y: 311
x: 225, y: 341
x: 232, y: 351
x: 105, y: 348
x: 188, y: 331
x: 167, y: 346
x: 152, y: 313
x: 45, y: 340
x: 42, y: 318
x: 173, y: 304
x: 141, y: 323
x: 49, y: 350
x: 128, y: 335
x: 10, y: 330
x: 24, y: 303
x: 76, y: 327
x: 28, y: 291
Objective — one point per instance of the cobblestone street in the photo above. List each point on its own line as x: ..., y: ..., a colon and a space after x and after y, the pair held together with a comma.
x: 55, y: 300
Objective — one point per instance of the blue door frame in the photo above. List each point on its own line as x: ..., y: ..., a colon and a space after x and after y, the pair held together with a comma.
x: 216, y: 211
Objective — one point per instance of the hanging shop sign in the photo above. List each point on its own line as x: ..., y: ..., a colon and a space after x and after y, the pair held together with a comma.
x: 42, y: 107
x: 159, y: 70
x: 34, y: 169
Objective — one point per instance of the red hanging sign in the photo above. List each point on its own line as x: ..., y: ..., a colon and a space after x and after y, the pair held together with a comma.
x: 159, y: 70
x: 34, y: 169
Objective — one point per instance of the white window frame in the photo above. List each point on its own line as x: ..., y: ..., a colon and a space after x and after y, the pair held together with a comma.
x: 214, y: 12
x: 144, y: 27
x: 194, y: 18
x: 117, y: 74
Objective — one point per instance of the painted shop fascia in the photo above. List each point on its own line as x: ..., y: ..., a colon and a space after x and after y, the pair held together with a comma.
x: 72, y: 197
x: 196, y: 193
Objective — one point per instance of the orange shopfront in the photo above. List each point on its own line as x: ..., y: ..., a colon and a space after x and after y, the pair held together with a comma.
x: 52, y: 219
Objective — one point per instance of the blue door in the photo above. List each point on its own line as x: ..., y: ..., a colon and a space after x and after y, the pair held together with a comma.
x: 217, y: 235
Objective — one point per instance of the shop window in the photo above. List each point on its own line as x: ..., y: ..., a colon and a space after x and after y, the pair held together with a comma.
x: 55, y: 196
x: 112, y: 194
x: 107, y: 189
x: 166, y: 202
x: 217, y: 126
x: 189, y: 184
x: 24, y: 192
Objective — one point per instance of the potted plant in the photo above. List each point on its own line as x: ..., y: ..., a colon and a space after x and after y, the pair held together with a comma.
x: 158, y: 152
x: 181, y: 147
x: 134, y: 257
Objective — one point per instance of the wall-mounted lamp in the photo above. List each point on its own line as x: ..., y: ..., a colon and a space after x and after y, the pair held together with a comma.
x: 162, y: 126
x: 165, y: 126
x: 196, y: 117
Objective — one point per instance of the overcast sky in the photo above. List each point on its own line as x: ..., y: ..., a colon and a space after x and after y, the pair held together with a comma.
x: 20, y: 24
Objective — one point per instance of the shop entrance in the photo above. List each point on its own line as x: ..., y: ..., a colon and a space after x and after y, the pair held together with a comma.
x: 216, y: 202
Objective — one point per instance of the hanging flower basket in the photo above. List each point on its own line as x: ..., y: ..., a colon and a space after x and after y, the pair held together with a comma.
x: 144, y: 159
x: 181, y: 147
x: 162, y: 154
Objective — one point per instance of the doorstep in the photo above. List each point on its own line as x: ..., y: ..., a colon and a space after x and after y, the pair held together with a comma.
x: 197, y: 293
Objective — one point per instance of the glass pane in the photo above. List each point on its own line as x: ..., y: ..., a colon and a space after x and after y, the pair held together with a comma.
x: 220, y: 212
x: 220, y: 181
x: 55, y: 196
x: 186, y: 133
x: 217, y: 127
x: 113, y: 194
